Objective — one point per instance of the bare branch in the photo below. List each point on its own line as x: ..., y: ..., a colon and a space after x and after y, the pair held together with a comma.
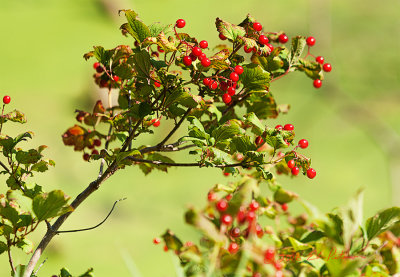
x: 180, y: 164
x: 10, y: 260
x: 176, y: 127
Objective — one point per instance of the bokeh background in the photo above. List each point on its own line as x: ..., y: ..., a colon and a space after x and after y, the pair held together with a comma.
x: 352, y: 122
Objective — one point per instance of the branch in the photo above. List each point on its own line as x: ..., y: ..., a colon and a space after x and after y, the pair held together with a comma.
x: 176, y: 127
x: 10, y: 260
x: 94, y: 227
x: 180, y: 164
x: 166, y: 148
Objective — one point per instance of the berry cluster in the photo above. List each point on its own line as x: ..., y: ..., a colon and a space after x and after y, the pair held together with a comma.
x: 103, y: 77
x: 96, y: 143
x: 327, y: 67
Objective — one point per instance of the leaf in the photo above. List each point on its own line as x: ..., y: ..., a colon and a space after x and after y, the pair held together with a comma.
x: 243, y: 144
x: 225, y: 132
x: 229, y: 30
x: 65, y: 273
x: 52, y: 204
x: 156, y: 28
x: 14, y: 116
x: 253, y: 120
x: 164, y: 43
x: 144, y: 109
x: 142, y: 63
x: 283, y: 196
x: 220, y: 60
x: 158, y: 64
x: 311, y: 68
x: 3, y: 247
x: 124, y: 71
x: 298, y: 44
x: 26, y: 245
x: 122, y: 155
x: 352, y: 217
x: 381, y: 222
x: 182, y: 97
x: 297, y: 245
x: 41, y: 166
x: 198, y: 220
x: 30, y: 157
x: 137, y: 29
x: 254, y: 78
x: 312, y: 236
x: 102, y: 55
x: 9, y: 213
x: 172, y: 241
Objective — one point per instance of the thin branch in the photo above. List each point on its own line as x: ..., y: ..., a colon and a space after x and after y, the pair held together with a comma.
x: 103, y: 161
x: 180, y: 164
x: 176, y: 127
x: 167, y: 148
x: 10, y: 260
x: 94, y: 227
x: 5, y: 167
x: 40, y: 266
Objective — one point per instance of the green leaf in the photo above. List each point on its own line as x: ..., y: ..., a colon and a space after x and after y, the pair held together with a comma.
x: 158, y: 64
x: 102, y: 55
x: 243, y: 144
x: 41, y: 166
x: 9, y: 213
x: 225, y: 132
x: 22, y: 137
x: 381, y: 222
x: 229, y: 30
x: 311, y: 68
x: 65, y: 273
x: 137, y: 29
x: 254, y: 78
x: 297, y: 245
x: 352, y: 217
x: 52, y: 204
x: 253, y: 120
x: 156, y: 28
x: 144, y: 109
x: 3, y: 247
x: 122, y: 155
x: 198, y: 220
x: 26, y: 245
x: 142, y: 63
x: 172, y: 241
x: 88, y: 273
x: 182, y: 97
x: 312, y: 236
x: 298, y: 44
x: 283, y: 196
x: 30, y: 157
x: 124, y: 71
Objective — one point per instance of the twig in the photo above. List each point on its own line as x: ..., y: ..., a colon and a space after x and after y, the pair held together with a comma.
x: 2, y: 119
x: 105, y: 147
x: 94, y: 227
x: 10, y: 260
x: 176, y: 127
x: 180, y: 164
x: 40, y: 266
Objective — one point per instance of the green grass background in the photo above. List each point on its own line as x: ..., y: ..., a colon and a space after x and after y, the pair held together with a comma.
x: 42, y: 69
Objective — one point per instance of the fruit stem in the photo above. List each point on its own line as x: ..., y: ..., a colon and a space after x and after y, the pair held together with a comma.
x: 2, y: 119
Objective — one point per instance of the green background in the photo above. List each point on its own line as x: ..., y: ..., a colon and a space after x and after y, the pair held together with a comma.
x: 351, y: 122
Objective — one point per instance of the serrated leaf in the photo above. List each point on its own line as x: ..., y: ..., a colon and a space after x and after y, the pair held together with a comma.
x: 122, y: 155
x: 229, y: 30
x: 168, y: 46
x: 28, y: 157
x: 9, y: 213
x: 142, y: 63
x: 136, y: 28
x: 311, y: 68
x: 144, y: 109
x: 41, y: 166
x: 254, y: 78
x: 124, y: 71
x: 3, y: 247
x: 52, y: 204
x: 158, y: 64
x: 252, y: 119
x: 243, y: 144
x: 225, y: 132
x: 381, y: 222
x: 102, y: 55
x: 298, y: 44
x: 156, y: 28
x: 220, y: 60
x: 182, y: 97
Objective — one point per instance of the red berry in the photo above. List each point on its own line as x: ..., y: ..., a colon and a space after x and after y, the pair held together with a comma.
x: 206, y: 81
x: 95, y: 152
x: 271, y: 48
x: 103, y: 83
x: 86, y: 156
x: 6, y: 99
x: 226, y: 219
x: 159, y: 48
x: 229, y: 197
x: 196, y: 51
x: 211, y: 196
x: 157, y: 84
x: 284, y: 207
x: 180, y: 23
x: 319, y: 59
x: 327, y: 67
x: 291, y: 164
x: 97, y: 142
x: 193, y: 57
x: 235, y: 232
x: 203, y: 44
x: 257, y: 26
x: 247, y: 50
x: 310, y: 41
x: 279, y: 127
x: 303, y: 143
x: 295, y: 171
x: 288, y: 127
x: 213, y: 85
x: 206, y: 62
x: 263, y: 39
x: 259, y: 231
x: 269, y: 255
x: 257, y: 274
x: 99, y: 69
x: 202, y: 56
x: 233, y: 248
x: 222, y: 37
x: 259, y: 140
x: 187, y: 60
x: 234, y: 76
x: 239, y: 69
x: 311, y: 173
x: 278, y: 266
x: 254, y: 205
x: 250, y: 216
x: 166, y: 248
x: 222, y: 205
x: 226, y: 98
x: 96, y: 65
x: 317, y: 83
x: 241, y: 215
x: 156, y: 240
x: 115, y: 78
x: 231, y: 91
x: 156, y: 123
x: 283, y: 38
x: 224, y: 85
